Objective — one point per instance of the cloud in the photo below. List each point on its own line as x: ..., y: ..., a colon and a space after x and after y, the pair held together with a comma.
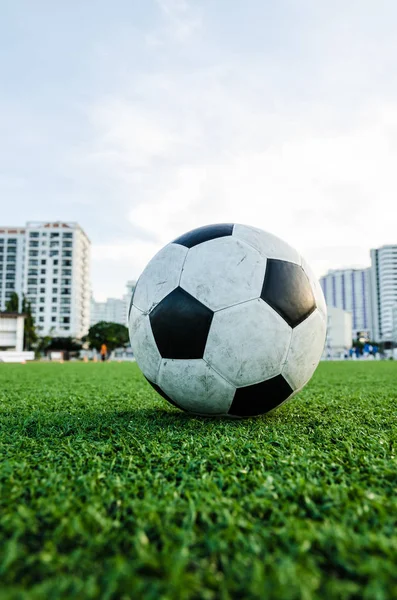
x: 180, y: 22
x: 210, y: 152
x: 179, y: 113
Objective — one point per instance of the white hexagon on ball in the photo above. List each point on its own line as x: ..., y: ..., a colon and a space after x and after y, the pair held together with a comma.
x: 143, y: 344
x: 160, y: 277
x: 266, y: 243
x: 195, y: 386
x: 307, y: 345
x: 223, y: 272
x: 248, y: 343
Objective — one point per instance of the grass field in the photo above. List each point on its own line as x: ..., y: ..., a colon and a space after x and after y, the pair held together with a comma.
x: 108, y: 492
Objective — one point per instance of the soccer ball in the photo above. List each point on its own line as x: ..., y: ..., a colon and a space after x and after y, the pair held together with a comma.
x: 227, y: 320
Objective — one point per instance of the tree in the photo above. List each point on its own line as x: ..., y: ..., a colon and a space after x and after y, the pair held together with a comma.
x: 29, y: 332
x: 12, y: 305
x: 113, y: 335
x: 43, y: 344
x: 68, y: 344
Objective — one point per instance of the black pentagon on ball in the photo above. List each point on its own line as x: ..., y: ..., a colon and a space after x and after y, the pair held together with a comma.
x: 287, y: 290
x: 204, y: 234
x: 260, y: 398
x: 180, y: 325
x: 163, y: 394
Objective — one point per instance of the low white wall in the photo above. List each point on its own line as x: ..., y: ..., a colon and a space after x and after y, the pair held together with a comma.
x: 16, y: 357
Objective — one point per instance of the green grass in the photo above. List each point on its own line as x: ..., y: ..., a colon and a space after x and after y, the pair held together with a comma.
x: 108, y: 492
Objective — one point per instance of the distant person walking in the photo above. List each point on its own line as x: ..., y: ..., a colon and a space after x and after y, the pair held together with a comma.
x: 104, y: 352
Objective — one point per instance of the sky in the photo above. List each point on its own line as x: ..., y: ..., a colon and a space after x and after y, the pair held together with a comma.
x: 144, y: 119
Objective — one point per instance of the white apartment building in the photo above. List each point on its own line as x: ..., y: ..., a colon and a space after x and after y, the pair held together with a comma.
x: 52, y: 268
x: 12, y: 244
x: 349, y: 289
x: 383, y: 290
x: 113, y: 310
x: 394, y: 321
x: 339, y: 332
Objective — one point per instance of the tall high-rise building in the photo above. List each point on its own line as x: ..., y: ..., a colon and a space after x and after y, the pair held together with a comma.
x: 12, y: 245
x: 383, y: 290
x: 52, y: 269
x: 394, y: 321
x: 349, y: 289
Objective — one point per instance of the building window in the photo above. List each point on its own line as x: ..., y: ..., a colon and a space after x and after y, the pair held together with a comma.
x: 32, y: 291
x: 43, y: 261
x: 54, y: 235
x: 10, y: 276
x: 67, y: 244
x: 66, y: 320
x: 54, y: 244
x: 54, y: 300
x: 10, y: 285
x: 42, y: 290
x: 12, y: 242
x: 54, y: 252
x: 55, y: 281
x: 54, y: 290
x: 41, y: 309
x: 32, y: 281
x: 55, y: 271
x: 67, y: 235
x: 54, y: 309
x: 42, y: 300
x: 55, y: 262
x: 33, y: 272
x: 34, y: 234
x: 33, y: 253
x: 67, y: 253
x: 42, y: 280
x: 53, y: 319
x: 66, y: 263
x: 33, y: 244
x: 41, y: 319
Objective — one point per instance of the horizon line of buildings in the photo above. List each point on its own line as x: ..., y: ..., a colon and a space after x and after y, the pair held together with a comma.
x: 49, y: 263
x: 368, y: 294
x: 113, y: 310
